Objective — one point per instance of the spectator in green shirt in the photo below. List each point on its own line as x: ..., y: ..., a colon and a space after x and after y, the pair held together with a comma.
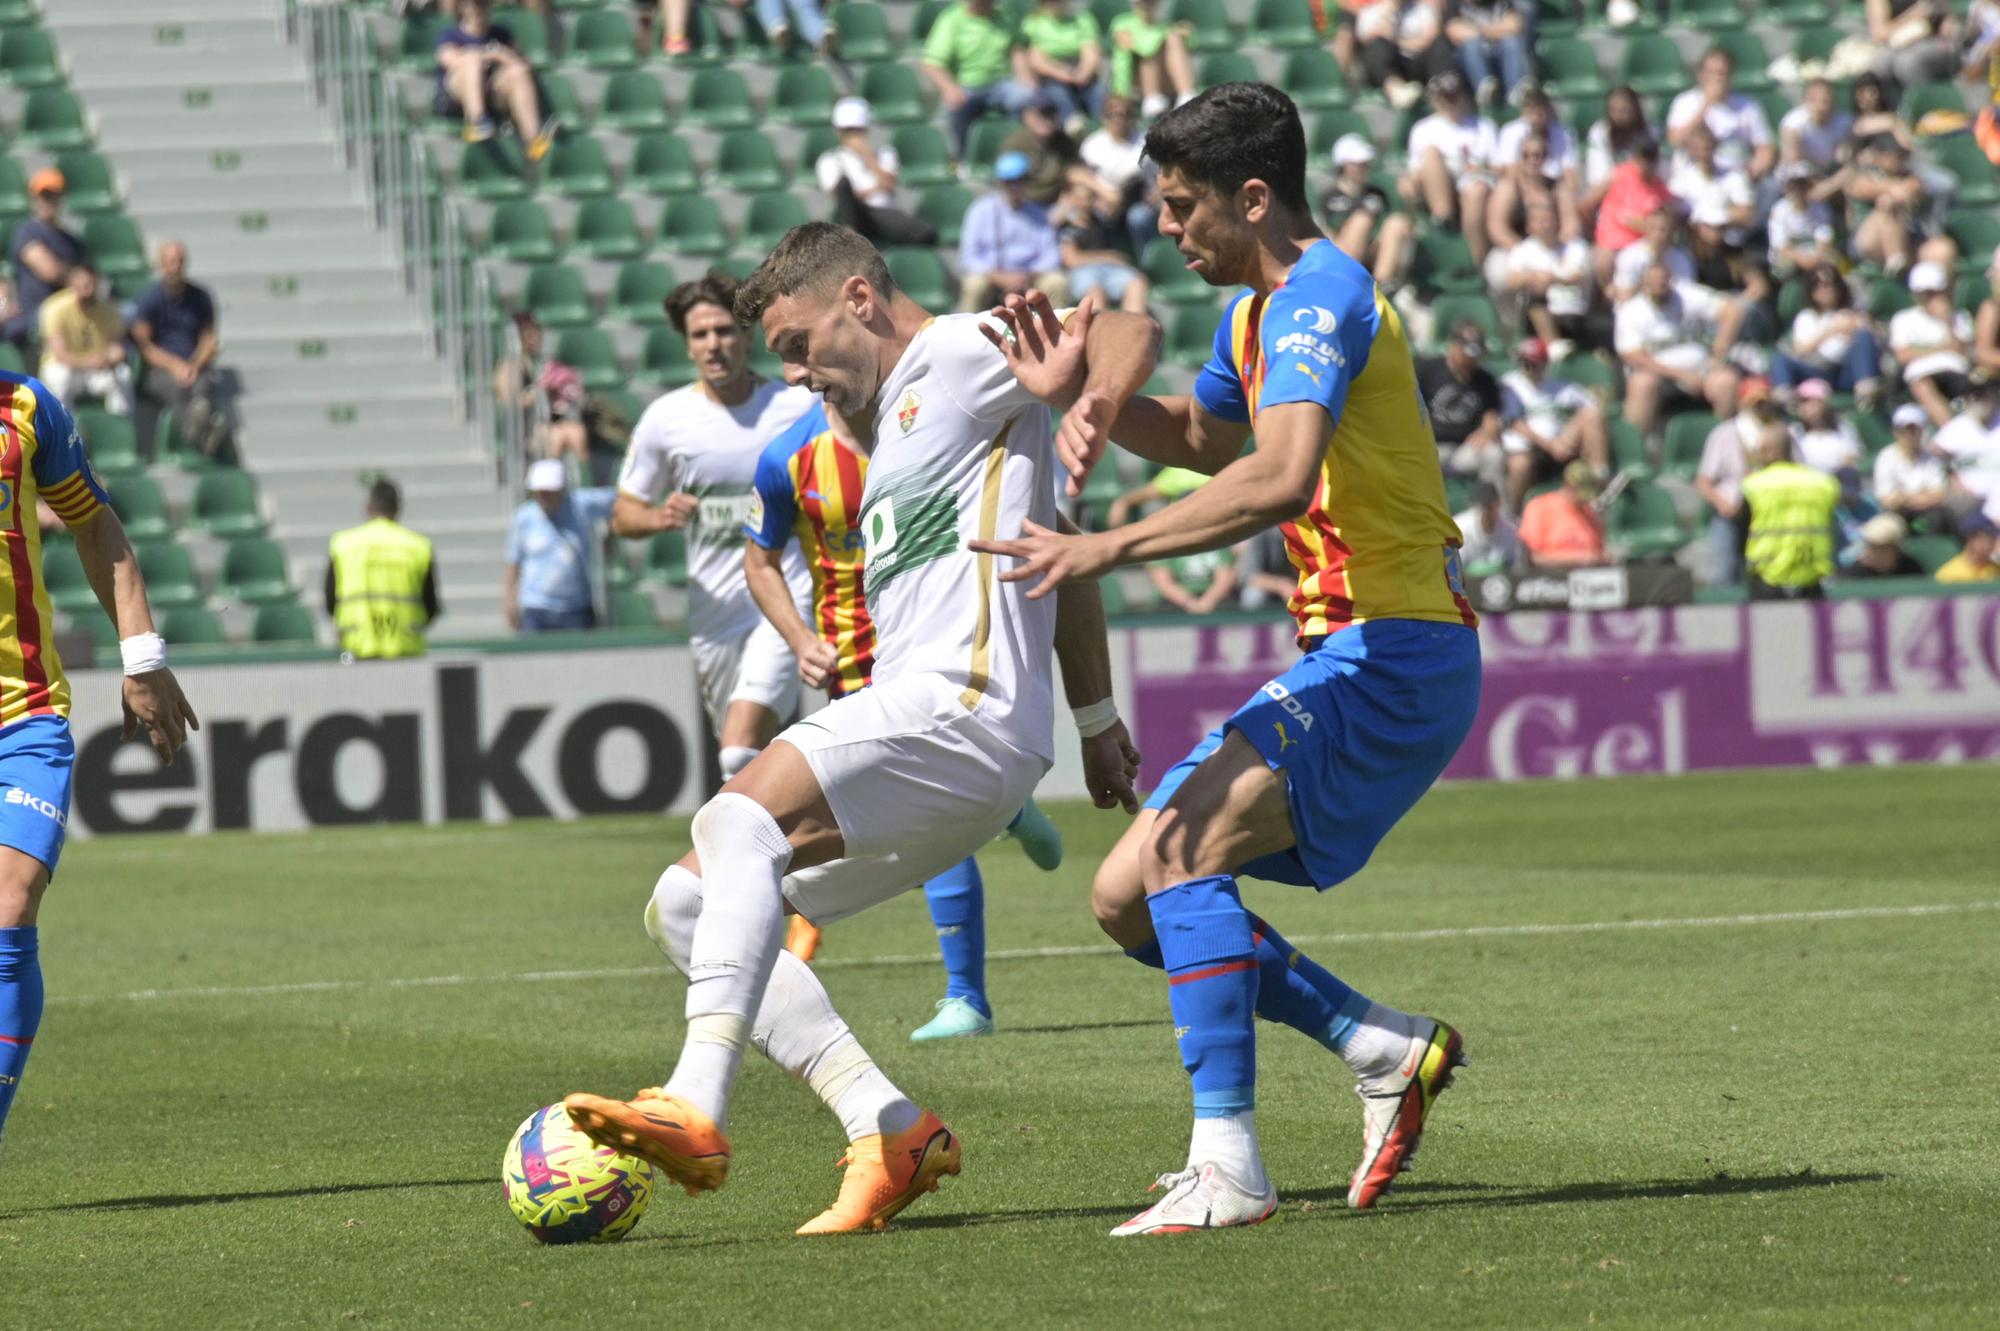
x: 1065, y: 56
x: 974, y: 59
x: 1150, y: 59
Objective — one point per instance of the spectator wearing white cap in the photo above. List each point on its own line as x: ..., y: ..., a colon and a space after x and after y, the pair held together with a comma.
x: 860, y: 177
x: 1359, y: 215
x: 1971, y: 441
x: 1881, y: 554
x: 1909, y: 475
x: 551, y: 551
x: 1932, y: 342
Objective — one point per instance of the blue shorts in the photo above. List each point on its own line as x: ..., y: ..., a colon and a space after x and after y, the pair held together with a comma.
x: 1362, y: 726
x: 36, y: 758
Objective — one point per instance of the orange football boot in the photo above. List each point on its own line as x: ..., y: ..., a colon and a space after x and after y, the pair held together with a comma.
x: 664, y: 1130
x: 802, y: 938
x: 885, y: 1174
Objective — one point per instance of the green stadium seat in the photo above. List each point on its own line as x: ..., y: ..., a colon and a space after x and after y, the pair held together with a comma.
x: 1595, y: 373
x: 747, y: 161
x: 803, y: 95
x: 1687, y: 435
x: 1190, y: 337
x: 606, y: 229
x: 494, y: 169
x: 1442, y: 263
x: 1753, y: 60
x: 112, y: 443
x: 1172, y: 282
x: 815, y: 141
x: 1555, y: 18
x: 254, y: 571
x: 895, y: 93
x: 631, y: 607
x: 284, y: 624
x: 1652, y: 64
x: 520, y: 231
x: 1285, y: 23
x: 1874, y: 429
x: 665, y: 358
x: 639, y: 293
x: 1569, y: 67
x: 692, y: 224
x: 1978, y: 179
x: 662, y: 164
x: 118, y: 250
x: 982, y: 146
x: 922, y: 276
x: 1328, y: 127
x: 1931, y: 551
x: 191, y: 626
x: 28, y: 58
x: 1628, y: 449
x: 1208, y: 23
x: 709, y: 45
x: 62, y: 574
x: 1977, y: 231
x: 530, y: 34
x: 1710, y: 16
x: 1225, y: 67
x: 1646, y: 522
x: 53, y: 120
x: 1924, y: 98
x: 925, y: 156
x: 1888, y: 296
x: 602, y: 39
x: 577, y: 168
x: 10, y: 355
x: 1312, y: 76
x: 558, y: 296
x: 416, y: 48
x: 634, y: 102
x: 559, y: 99
x: 1971, y: 290
x: 927, y: 13
x: 1801, y: 16
x: 592, y: 354
x: 719, y: 99
x: 1448, y: 311
x: 171, y: 444
x: 92, y: 187
x: 863, y: 32
x: 771, y: 214
x: 171, y: 580
x: 225, y: 504
x: 666, y: 558
x: 944, y: 207
x: 1816, y: 44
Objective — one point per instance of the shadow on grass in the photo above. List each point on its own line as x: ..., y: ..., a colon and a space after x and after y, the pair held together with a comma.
x: 169, y: 1201
x: 1072, y: 1028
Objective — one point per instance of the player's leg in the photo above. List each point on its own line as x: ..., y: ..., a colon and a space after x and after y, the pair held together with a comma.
x: 747, y: 729
x: 35, y: 767
x: 957, y: 901
x: 763, y: 693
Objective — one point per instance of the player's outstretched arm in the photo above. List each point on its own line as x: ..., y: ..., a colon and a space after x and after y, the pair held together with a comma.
x: 632, y: 517
x: 764, y: 569
x: 1083, y: 648
x: 153, y: 697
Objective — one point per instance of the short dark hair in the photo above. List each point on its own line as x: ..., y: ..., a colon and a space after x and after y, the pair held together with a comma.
x: 812, y: 256
x: 715, y: 288
x: 384, y: 498
x: 1232, y: 133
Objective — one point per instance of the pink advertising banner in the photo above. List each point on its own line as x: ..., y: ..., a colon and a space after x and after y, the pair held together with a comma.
x: 1654, y: 690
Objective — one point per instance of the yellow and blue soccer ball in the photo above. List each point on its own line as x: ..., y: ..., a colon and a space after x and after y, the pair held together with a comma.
x: 565, y: 1188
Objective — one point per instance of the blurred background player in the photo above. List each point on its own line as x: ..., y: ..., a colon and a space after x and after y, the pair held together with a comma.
x: 809, y: 490
x: 44, y: 462
x: 1306, y: 778
x: 691, y: 466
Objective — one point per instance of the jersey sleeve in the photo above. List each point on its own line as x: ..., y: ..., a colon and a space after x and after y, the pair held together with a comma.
x: 62, y: 471
x: 974, y: 370
x: 775, y: 506
x: 1218, y: 390
x: 645, y: 473
x: 1315, y: 341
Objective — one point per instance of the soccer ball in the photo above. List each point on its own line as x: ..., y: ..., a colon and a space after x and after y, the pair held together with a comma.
x: 565, y: 1188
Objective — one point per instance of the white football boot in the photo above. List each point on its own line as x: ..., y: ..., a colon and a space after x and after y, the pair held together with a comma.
x: 1395, y: 1109
x: 1200, y: 1197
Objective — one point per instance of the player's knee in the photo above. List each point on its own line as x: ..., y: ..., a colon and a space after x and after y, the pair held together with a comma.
x: 1173, y: 852
x: 23, y: 879
x: 1118, y: 900
x: 733, y: 824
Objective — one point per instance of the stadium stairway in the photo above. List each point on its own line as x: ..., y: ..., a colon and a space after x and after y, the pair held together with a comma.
x: 208, y: 117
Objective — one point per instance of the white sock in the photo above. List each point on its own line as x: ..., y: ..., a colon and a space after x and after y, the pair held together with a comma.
x: 796, y: 1026
x: 1379, y: 1043
x: 1230, y: 1141
x: 733, y: 759
x: 736, y: 941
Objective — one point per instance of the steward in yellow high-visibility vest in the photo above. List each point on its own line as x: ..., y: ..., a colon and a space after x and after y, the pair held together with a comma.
x: 381, y: 582
x: 1789, y: 551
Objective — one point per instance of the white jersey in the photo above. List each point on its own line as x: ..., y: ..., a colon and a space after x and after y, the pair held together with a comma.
x: 688, y: 441
x: 962, y: 452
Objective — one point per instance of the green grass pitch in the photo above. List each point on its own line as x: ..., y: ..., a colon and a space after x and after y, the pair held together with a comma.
x: 277, y: 1074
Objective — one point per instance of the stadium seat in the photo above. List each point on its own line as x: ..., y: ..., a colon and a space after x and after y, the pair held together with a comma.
x: 633, y: 103
x: 815, y: 141
x: 1977, y: 231
x: 591, y: 353
x: 28, y: 58
x: 1710, y: 16
x: 1286, y: 23
x: 92, y: 188
x: 559, y: 99
x: 520, y: 231
x: 530, y: 34
x: 771, y: 214
x: 944, y: 207
x: 191, y: 626
x: 1801, y: 16
x: 1328, y: 127
x: 922, y: 276
x: 666, y: 559
x: 254, y: 572
x: 691, y: 224
x: 863, y: 33
x: 171, y: 580
x: 1595, y: 373
x: 1168, y: 272
x: 1931, y: 551
x: 140, y: 505
x: 1628, y: 449
x: 118, y: 250
x: 640, y: 291
x: 1442, y: 263
x: 171, y: 444
x: 577, y: 168
x: 1448, y: 311
x: 1687, y: 435
x: 1312, y: 76
x: 925, y: 155
x: 982, y: 146
x: 1753, y: 61
x: 416, y: 46
x: 747, y: 161
x: 602, y: 39
x: 1208, y: 26
x: 53, y: 119
x: 1555, y: 18
x: 1923, y: 98
x: 665, y: 358
x: 1191, y: 337
x: 1646, y: 523
x: 1569, y: 67
x: 895, y: 93
x: 225, y: 504
x: 62, y: 574
x: 1652, y: 64
x: 719, y: 99
x: 493, y: 170
x: 288, y: 623
x: 112, y: 443
x: 1225, y: 67
x: 630, y: 607
x: 927, y: 13
x: 557, y: 295
x: 606, y: 229
x: 662, y: 164
x: 803, y: 95
x: 1888, y: 297
x: 1978, y: 178
x: 708, y: 44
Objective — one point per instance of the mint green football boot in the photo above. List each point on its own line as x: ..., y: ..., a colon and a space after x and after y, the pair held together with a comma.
x: 955, y: 1019
x: 1039, y: 838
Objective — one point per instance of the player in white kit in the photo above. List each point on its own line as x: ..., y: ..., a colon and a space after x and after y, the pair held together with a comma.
x: 692, y: 465
x: 897, y: 782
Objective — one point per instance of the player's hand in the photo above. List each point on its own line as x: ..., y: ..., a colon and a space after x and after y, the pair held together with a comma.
x: 818, y: 663
x: 1045, y: 356
x: 1085, y: 434
x: 1110, y: 769
x: 678, y: 511
x: 1050, y: 557
x: 154, y: 700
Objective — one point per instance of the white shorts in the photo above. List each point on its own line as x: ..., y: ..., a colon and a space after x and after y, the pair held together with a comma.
x: 757, y: 668
x: 916, y: 782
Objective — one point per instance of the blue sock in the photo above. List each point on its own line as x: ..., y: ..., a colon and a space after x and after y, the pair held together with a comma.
x: 957, y: 899
x: 20, y: 1007
x: 1204, y: 938
x: 1292, y: 989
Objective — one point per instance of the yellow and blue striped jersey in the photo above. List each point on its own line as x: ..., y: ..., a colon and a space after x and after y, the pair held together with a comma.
x: 1378, y: 541
x: 41, y: 456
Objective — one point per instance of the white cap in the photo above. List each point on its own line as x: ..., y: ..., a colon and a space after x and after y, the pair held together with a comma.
x: 1929, y: 277
x: 1910, y: 415
x: 1352, y: 149
x: 547, y: 476
x: 852, y: 113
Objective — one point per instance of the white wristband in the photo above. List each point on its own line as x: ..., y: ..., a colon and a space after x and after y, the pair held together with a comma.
x: 1097, y: 718
x: 143, y: 653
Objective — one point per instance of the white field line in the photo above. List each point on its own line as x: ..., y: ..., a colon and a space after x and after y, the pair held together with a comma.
x: 1045, y: 953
